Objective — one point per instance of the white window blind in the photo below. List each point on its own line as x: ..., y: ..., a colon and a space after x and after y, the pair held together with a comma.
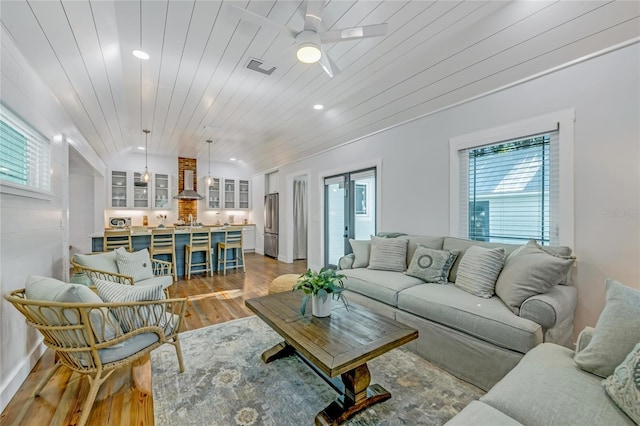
x: 509, y: 191
x: 25, y: 155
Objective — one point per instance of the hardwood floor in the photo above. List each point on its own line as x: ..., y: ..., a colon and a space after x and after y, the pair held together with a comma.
x: 126, y: 397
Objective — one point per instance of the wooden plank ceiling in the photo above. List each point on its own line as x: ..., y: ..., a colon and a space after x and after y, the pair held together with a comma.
x: 196, y: 85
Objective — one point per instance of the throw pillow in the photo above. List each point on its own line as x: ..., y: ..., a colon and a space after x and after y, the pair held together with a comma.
x: 430, y: 265
x: 479, y: 269
x: 528, y: 271
x: 361, y: 250
x: 617, y: 331
x: 623, y: 386
x: 134, y: 317
x: 388, y: 254
x: 105, y: 326
x: 136, y: 264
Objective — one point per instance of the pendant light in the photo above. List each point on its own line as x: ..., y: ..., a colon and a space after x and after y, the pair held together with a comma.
x: 146, y: 176
x: 209, y: 178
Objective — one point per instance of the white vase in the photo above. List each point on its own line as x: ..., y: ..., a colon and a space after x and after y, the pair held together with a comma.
x: 320, y: 308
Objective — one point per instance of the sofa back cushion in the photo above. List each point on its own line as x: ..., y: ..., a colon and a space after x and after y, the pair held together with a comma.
x: 102, y: 261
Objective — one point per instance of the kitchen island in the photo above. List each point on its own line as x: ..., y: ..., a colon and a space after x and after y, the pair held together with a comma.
x: 142, y: 239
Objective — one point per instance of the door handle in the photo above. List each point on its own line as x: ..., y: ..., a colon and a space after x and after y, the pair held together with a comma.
x: 345, y: 236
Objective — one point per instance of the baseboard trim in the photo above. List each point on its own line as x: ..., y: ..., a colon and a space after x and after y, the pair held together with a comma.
x: 19, y: 375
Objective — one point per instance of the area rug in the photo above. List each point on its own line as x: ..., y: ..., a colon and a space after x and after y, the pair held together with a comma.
x: 226, y: 383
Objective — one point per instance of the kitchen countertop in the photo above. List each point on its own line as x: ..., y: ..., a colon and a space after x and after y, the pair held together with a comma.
x: 185, y: 230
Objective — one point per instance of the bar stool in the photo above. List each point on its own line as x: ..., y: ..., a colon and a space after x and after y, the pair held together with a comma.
x: 199, y: 241
x: 232, y: 241
x: 163, y: 241
x: 115, y: 238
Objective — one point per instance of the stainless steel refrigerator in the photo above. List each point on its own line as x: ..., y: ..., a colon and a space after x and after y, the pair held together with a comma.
x: 271, y: 225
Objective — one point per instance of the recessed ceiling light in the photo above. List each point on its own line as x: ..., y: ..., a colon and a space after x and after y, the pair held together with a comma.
x: 141, y: 148
x: 232, y: 159
x: 318, y: 107
x: 140, y: 54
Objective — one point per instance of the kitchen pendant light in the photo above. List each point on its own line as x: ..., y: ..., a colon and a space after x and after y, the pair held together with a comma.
x: 146, y: 176
x: 209, y: 178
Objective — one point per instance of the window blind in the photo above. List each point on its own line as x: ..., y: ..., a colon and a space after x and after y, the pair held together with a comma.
x: 509, y: 191
x: 25, y: 155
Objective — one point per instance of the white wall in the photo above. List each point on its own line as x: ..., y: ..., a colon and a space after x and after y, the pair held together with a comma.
x: 414, y: 175
x: 33, y: 233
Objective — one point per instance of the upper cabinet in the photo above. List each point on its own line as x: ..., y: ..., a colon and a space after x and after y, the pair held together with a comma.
x: 228, y: 194
x: 127, y: 190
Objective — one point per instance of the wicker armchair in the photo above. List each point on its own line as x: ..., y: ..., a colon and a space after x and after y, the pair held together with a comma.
x: 89, y: 339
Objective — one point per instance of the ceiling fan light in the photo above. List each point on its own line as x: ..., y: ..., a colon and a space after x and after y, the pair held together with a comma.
x: 309, y: 53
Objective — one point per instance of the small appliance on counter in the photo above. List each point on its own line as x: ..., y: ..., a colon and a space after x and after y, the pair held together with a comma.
x: 120, y: 222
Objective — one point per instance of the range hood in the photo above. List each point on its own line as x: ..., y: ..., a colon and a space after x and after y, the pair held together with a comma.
x: 188, y: 193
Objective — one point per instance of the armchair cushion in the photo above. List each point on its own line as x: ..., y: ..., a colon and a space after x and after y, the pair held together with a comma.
x: 164, y: 280
x: 104, y: 324
x: 136, y: 264
x: 102, y: 261
x: 129, y: 318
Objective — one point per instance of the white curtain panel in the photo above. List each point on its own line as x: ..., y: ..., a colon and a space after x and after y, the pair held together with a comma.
x: 299, y: 220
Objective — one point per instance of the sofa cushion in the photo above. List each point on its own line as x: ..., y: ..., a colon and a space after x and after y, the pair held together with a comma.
x: 382, y: 286
x: 480, y: 414
x: 102, y: 261
x: 388, y: 254
x: 479, y: 270
x: 547, y: 388
x: 104, y: 324
x: 463, y: 245
x: 528, y: 271
x: 617, y: 331
x: 361, y: 251
x: 487, y: 319
x: 431, y: 266
x: 136, y: 264
x: 623, y: 386
x: 420, y: 240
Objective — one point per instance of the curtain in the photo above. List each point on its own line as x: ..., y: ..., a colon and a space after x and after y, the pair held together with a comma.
x: 299, y: 220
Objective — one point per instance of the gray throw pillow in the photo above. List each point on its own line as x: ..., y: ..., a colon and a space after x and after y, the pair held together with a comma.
x: 528, y: 271
x: 431, y: 266
x: 388, y: 254
x: 479, y: 269
x: 136, y: 264
x: 361, y: 250
x: 617, y: 331
x: 105, y: 326
x: 623, y: 386
x: 131, y: 318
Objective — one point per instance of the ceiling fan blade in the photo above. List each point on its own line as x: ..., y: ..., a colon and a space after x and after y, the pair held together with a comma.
x: 247, y: 15
x: 354, y: 33
x: 328, y: 65
x: 313, y: 15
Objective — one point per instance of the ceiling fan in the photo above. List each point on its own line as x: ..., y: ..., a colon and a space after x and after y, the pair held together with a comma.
x: 309, y: 42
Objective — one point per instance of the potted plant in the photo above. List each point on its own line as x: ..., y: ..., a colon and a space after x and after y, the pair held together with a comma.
x: 317, y: 286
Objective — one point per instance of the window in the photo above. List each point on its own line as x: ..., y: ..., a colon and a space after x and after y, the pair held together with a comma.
x: 515, y: 182
x: 24, y: 154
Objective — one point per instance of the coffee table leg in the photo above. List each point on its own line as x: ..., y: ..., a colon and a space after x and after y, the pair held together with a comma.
x: 281, y: 350
x: 358, y: 395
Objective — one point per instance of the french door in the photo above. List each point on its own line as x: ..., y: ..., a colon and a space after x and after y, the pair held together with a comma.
x: 349, y: 212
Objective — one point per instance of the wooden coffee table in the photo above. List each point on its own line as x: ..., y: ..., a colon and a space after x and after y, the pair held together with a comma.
x: 337, y: 345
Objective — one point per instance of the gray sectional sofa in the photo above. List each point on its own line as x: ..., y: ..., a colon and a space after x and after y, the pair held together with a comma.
x: 476, y: 339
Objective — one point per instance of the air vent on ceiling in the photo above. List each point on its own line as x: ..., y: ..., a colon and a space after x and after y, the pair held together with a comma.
x: 256, y: 65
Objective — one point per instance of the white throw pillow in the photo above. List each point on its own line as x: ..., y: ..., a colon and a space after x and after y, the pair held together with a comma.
x: 361, y: 251
x: 136, y: 264
x: 479, y: 270
x: 388, y: 254
x: 132, y: 318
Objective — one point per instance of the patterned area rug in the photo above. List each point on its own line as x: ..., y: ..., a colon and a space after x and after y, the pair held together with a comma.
x: 226, y: 383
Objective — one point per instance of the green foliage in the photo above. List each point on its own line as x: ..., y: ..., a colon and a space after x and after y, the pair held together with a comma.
x: 321, y: 284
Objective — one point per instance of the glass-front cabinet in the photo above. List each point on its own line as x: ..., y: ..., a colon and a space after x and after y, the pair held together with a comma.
x: 162, y: 191
x: 118, y: 189
x: 243, y: 197
x: 229, y: 193
x: 141, y: 193
x: 213, y: 194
